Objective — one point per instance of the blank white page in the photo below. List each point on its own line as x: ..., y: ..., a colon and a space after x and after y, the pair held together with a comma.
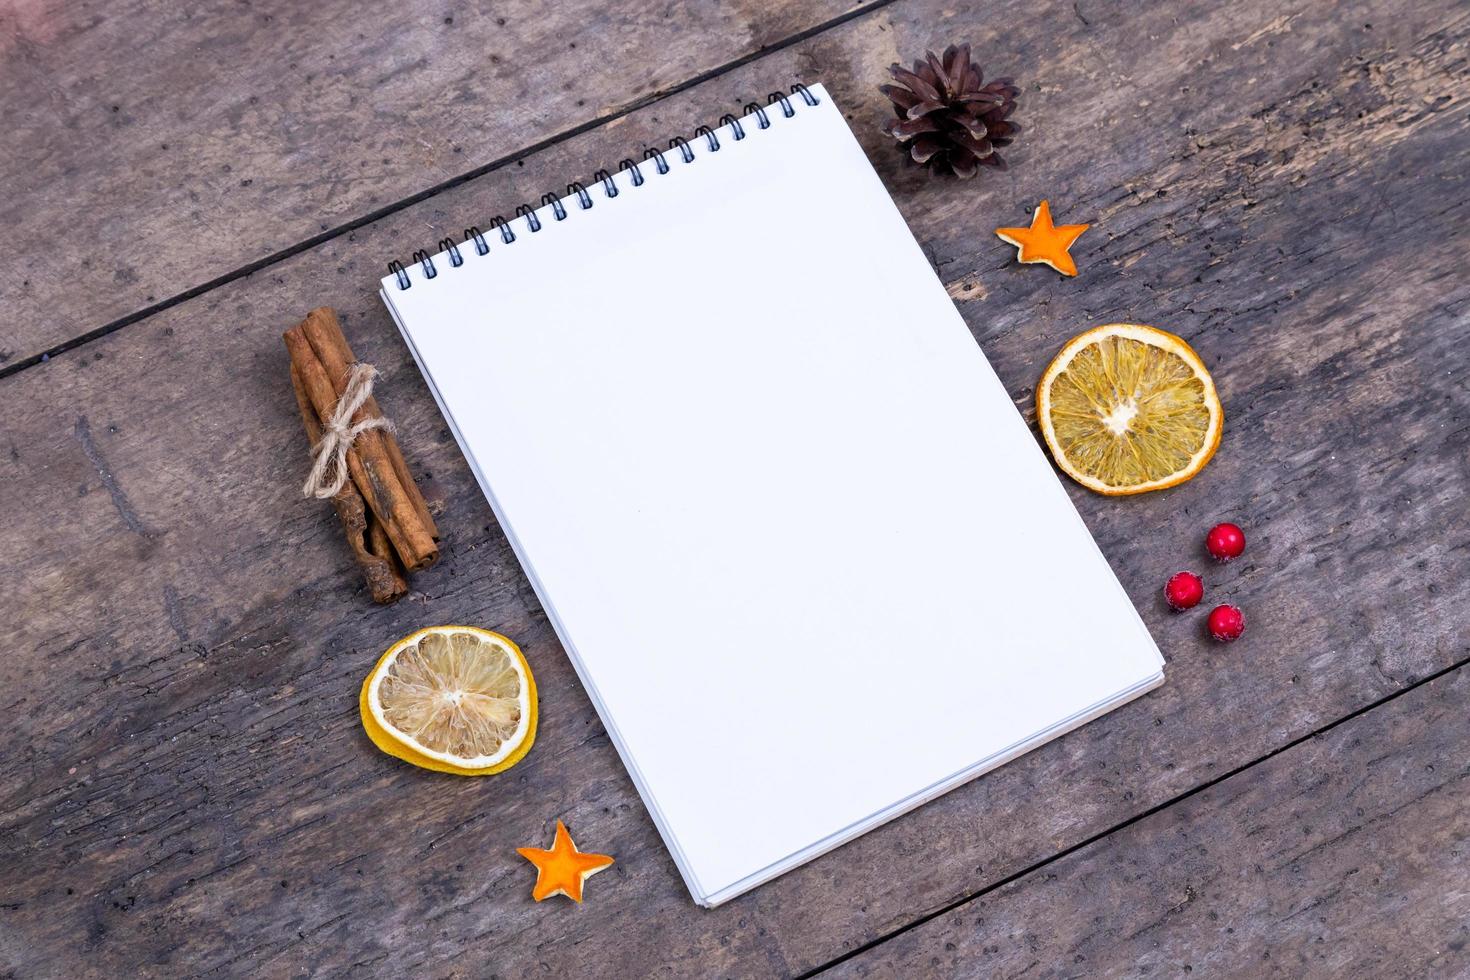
x: 807, y: 558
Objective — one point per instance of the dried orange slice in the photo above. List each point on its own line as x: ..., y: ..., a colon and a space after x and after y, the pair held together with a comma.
x: 453, y: 699
x: 1126, y: 408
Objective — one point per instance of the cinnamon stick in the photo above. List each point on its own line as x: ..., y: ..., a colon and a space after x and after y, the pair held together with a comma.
x: 324, y: 332
x: 378, y: 544
x: 369, y: 542
x: 367, y: 464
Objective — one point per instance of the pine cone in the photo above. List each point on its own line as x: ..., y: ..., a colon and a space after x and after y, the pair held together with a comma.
x: 946, y: 120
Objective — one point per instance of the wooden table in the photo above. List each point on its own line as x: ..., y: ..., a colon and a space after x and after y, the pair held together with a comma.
x: 184, y: 786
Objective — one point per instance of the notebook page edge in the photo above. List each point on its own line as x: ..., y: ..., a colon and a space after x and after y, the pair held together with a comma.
x: 930, y: 793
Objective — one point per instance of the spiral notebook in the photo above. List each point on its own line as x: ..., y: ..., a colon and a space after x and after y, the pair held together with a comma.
x: 805, y: 555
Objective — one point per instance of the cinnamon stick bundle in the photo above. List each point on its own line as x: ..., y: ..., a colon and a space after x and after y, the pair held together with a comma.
x: 321, y: 360
x: 324, y: 332
x: 366, y: 537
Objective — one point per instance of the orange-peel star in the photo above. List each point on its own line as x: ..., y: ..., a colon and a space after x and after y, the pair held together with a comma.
x: 1044, y: 241
x: 563, y: 869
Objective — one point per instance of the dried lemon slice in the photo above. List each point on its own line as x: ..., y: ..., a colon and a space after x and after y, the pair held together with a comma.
x: 1127, y: 409
x: 454, y: 699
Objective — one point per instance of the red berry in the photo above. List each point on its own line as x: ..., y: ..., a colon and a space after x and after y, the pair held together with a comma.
x: 1225, y: 541
x: 1226, y: 623
x: 1184, y: 591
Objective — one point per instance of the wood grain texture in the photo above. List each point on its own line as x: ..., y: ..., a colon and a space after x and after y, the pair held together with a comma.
x: 150, y: 147
x: 1346, y: 856
x: 190, y: 790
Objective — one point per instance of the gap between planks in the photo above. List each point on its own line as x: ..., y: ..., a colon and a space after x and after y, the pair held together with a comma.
x: 435, y: 189
x: 1123, y: 825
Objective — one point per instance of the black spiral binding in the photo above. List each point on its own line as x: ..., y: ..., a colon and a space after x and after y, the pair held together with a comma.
x: 532, y: 223
x: 447, y: 245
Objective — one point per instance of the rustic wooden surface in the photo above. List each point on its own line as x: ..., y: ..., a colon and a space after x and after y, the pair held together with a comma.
x: 185, y: 787
x: 1252, y: 876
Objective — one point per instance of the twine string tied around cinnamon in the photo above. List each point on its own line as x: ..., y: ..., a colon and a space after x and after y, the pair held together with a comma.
x: 329, y: 471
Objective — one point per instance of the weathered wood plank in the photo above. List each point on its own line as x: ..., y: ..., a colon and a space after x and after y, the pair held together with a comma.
x: 187, y: 636
x: 1345, y: 856
x: 150, y: 147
